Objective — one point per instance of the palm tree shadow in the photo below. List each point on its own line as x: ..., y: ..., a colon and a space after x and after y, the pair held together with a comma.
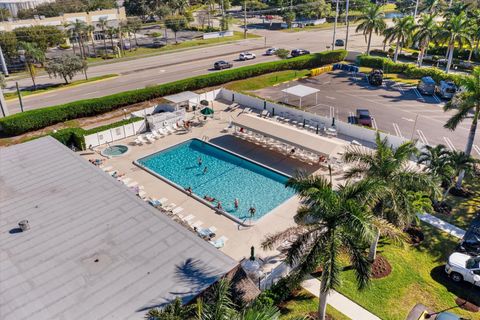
x: 192, y: 274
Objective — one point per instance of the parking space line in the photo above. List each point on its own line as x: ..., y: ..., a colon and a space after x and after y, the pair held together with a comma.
x: 422, y: 137
x: 397, y: 130
x: 374, y: 123
x: 419, y: 95
x: 477, y: 149
x: 437, y: 99
x: 449, y: 144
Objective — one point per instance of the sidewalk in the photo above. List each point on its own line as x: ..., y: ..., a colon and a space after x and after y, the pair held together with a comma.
x: 442, y: 225
x: 339, y: 302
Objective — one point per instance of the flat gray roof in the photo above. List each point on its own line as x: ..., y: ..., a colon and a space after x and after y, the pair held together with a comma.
x: 300, y: 90
x: 94, y: 249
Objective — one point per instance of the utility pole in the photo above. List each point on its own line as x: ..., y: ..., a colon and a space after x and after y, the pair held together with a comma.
x: 348, y: 24
x: 3, y: 104
x: 245, y: 19
x: 19, y: 96
x: 335, y: 28
x: 4, y: 65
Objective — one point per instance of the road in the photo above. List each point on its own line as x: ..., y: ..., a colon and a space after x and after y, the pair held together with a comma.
x: 139, y: 73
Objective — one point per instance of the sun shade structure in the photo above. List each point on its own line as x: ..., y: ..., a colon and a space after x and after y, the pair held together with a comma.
x: 93, y: 250
x: 289, y: 135
x: 301, y: 91
x: 183, y: 97
x: 207, y: 111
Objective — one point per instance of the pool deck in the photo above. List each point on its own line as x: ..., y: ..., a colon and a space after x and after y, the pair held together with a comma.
x: 240, y: 239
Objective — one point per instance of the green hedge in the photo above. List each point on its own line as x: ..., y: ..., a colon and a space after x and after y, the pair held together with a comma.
x: 409, y: 70
x: 40, y: 118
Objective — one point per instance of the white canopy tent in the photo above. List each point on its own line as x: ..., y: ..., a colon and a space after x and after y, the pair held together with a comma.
x: 301, y: 91
x: 183, y: 98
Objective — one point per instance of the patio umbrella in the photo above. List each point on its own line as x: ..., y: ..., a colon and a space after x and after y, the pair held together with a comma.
x: 207, y: 111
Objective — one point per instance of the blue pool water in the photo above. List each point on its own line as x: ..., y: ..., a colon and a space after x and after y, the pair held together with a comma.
x: 228, y: 177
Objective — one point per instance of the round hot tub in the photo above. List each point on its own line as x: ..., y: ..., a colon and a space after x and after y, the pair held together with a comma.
x: 115, y: 150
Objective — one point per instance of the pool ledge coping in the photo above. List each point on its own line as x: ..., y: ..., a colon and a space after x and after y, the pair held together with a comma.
x: 243, y: 223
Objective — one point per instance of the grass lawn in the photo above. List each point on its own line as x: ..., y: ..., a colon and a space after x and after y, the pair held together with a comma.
x: 266, y: 80
x: 143, y: 51
x: 418, y: 276
x: 463, y: 209
x: 30, y: 91
x: 303, y: 303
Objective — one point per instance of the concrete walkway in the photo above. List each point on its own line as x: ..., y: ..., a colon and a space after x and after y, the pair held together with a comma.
x: 339, y: 302
x: 442, y: 225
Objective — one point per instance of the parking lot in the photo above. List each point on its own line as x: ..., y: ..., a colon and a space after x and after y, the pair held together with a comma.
x: 395, y: 108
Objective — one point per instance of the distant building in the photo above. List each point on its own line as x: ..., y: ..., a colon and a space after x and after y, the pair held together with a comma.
x: 93, y: 249
x: 114, y: 16
x: 14, y: 5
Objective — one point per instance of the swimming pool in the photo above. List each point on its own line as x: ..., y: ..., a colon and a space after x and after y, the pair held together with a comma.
x: 227, y: 177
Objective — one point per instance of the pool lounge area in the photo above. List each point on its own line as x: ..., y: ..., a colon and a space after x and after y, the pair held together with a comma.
x: 208, y: 171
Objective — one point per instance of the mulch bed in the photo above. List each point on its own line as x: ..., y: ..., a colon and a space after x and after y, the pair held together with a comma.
x: 467, y: 305
x: 416, y: 235
x: 443, y: 208
x: 314, y: 316
x: 381, y: 268
x: 462, y: 192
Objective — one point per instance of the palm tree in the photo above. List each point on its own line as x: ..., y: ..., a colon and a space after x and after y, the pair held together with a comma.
x: 111, y: 31
x: 216, y: 305
x: 436, y: 162
x: 33, y: 54
x: 103, y: 24
x: 475, y: 33
x: 455, y: 30
x: 390, y: 167
x: 78, y: 28
x: 329, y: 222
x: 432, y: 6
x: 425, y: 32
x: 401, y: 32
x: 90, y: 34
x: 466, y: 104
x: 460, y: 163
x: 135, y: 25
x: 370, y: 21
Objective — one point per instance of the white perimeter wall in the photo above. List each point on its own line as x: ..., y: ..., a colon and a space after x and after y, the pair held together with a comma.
x: 219, y: 34
x: 115, y: 134
x: 351, y: 130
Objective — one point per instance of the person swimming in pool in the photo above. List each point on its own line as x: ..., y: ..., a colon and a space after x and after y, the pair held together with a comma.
x: 252, y: 211
x: 235, y: 203
x: 219, y: 205
x: 189, y: 190
x: 199, y: 161
x: 205, y: 170
x: 208, y: 198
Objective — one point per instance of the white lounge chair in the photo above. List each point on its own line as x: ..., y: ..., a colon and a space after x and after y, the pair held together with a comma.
x: 177, y: 210
x: 156, y: 135
x: 150, y: 137
x: 138, y: 142
x: 143, y: 139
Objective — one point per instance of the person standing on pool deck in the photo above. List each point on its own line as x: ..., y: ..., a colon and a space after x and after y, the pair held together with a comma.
x: 199, y: 161
x: 235, y: 203
x: 205, y: 170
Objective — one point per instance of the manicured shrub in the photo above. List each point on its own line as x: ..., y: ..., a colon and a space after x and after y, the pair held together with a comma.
x: 40, y: 118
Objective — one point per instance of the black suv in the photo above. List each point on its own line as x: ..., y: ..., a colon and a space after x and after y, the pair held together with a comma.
x: 299, y: 52
x: 339, y: 43
x: 219, y: 65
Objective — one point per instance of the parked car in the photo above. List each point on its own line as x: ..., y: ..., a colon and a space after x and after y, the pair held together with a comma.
x: 462, y: 267
x: 470, y: 243
x: 271, y: 51
x: 364, y: 118
x: 375, y: 78
x: 157, y: 43
x: 426, y: 85
x: 446, y: 89
x: 299, y: 52
x: 246, y: 56
x: 339, y: 43
x: 219, y: 65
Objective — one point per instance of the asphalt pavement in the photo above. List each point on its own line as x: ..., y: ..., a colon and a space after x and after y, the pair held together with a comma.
x: 139, y: 73
x: 396, y: 108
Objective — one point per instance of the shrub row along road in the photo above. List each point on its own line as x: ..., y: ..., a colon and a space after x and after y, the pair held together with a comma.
x: 168, y: 67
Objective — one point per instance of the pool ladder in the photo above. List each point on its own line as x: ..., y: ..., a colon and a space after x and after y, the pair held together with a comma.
x: 205, y: 138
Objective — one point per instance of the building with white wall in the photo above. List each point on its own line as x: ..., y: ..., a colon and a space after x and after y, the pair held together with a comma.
x: 14, y: 5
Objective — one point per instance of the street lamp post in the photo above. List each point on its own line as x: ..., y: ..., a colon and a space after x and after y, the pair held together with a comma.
x: 335, y: 27
x: 245, y: 19
x: 348, y: 24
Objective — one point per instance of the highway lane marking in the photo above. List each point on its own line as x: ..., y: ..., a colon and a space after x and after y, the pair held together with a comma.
x: 93, y: 92
x: 422, y: 137
x: 449, y: 144
x: 397, y: 130
x: 477, y: 149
